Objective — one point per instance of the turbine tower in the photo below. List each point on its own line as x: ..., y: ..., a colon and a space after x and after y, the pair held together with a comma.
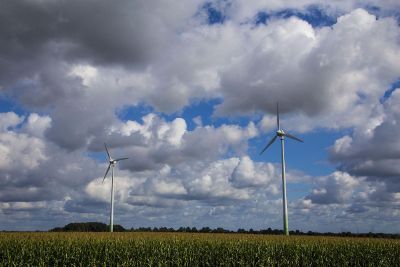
x: 111, y: 165
x: 281, y: 134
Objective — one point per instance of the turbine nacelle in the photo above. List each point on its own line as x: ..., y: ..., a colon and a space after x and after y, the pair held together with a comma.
x: 279, y: 132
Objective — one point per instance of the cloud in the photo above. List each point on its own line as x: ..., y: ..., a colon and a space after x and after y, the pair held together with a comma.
x: 31, y: 168
x: 368, y: 205
x: 68, y: 185
x: 330, y: 69
x: 239, y: 10
x: 98, y: 31
x: 161, y: 142
x: 19, y: 150
x: 336, y: 188
x: 86, y: 81
x: 37, y: 61
x: 202, y: 184
x: 250, y: 174
x: 199, y: 183
x: 9, y: 120
x: 373, y: 153
x: 73, y: 66
x: 373, y: 156
x: 36, y: 125
x: 38, y: 171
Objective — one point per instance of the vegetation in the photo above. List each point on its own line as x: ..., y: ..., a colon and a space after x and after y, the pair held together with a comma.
x: 88, y: 227
x: 268, y: 231
x: 101, y: 227
x: 189, y: 249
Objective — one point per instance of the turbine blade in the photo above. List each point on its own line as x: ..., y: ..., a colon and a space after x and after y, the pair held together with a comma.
x: 120, y: 159
x: 108, y: 169
x: 277, y: 116
x: 108, y: 153
x: 294, y: 137
x: 270, y: 143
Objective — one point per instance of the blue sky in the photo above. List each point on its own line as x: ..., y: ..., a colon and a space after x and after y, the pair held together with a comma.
x: 188, y: 92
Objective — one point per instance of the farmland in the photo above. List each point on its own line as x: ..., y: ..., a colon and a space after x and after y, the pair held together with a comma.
x: 185, y: 249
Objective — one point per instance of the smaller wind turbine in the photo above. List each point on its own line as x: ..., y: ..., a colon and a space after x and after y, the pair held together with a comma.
x: 282, y: 135
x: 111, y: 165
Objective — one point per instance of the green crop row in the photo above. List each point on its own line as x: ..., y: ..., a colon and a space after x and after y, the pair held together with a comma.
x: 180, y: 249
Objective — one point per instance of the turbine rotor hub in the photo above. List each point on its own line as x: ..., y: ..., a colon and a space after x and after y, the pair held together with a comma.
x: 280, y: 133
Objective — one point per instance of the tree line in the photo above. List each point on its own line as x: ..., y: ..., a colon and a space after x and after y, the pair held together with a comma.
x: 102, y: 227
x: 88, y: 227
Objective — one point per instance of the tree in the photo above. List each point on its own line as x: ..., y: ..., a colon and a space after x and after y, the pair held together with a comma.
x: 88, y: 227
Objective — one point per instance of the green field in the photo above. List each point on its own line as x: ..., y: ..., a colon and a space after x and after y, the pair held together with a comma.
x: 184, y: 249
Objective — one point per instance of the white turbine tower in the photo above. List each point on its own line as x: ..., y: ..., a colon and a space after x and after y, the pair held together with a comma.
x: 282, y: 135
x: 111, y: 165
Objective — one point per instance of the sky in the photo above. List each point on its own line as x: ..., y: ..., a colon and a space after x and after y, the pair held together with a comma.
x: 188, y: 91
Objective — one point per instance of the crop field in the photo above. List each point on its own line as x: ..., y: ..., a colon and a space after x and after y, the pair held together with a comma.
x: 184, y: 249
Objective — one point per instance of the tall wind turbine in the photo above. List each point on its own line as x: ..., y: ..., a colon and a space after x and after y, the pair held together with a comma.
x: 282, y: 135
x: 111, y: 165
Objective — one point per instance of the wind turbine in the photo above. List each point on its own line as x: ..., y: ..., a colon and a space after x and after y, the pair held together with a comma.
x: 111, y: 165
x: 281, y: 134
